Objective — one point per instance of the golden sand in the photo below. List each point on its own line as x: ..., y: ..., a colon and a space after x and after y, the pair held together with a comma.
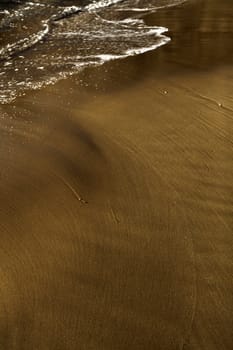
x: 116, y: 202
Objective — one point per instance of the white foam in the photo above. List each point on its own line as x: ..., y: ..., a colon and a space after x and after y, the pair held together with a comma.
x: 150, y: 8
x: 137, y: 9
x: 97, y: 5
x: 90, y: 42
x: 103, y: 34
x: 67, y: 11
x: 79, y: 63
x: 162, y: 40
x: 23, y: 44
x: 123, y: 21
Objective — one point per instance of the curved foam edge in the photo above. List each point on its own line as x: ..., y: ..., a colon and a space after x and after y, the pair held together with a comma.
x: 23, y: 44
x: 96, y: 60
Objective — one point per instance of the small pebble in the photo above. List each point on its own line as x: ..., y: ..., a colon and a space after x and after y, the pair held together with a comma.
x: 165, y: 92
x: 219, y: 104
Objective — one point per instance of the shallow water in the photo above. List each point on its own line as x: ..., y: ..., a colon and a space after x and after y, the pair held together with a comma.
x: 42, y: 42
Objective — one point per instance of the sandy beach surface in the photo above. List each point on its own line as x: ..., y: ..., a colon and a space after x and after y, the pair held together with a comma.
x: 116, y: 217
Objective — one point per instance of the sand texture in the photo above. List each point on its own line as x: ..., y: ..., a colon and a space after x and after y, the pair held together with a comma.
x: 116, y: 220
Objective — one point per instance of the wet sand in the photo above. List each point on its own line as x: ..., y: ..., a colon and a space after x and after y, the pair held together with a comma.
x: 116, y: 199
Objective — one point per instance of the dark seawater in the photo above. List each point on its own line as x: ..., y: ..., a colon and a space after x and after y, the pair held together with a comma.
x: 42, y: 41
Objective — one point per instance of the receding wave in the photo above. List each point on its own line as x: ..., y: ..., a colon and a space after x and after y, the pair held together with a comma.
x: 42, y: 43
